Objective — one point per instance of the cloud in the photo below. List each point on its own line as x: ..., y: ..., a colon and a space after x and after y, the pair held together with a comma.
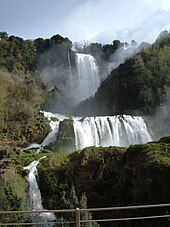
x: 93, y: 20
x: 104, y: 21
x: 95, y: 17
x: 146, y: 30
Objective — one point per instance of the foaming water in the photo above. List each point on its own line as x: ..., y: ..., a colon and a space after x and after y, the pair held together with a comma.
x: 35, y: 200
x: 87, y: 81
x: 120, y: 130
x: 110, y: 131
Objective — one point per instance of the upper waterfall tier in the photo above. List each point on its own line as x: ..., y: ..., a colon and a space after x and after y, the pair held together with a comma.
x: 87, y: 81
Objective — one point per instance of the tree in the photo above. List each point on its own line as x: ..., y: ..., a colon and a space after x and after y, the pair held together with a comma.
x: 72, y: 202
x: 3, y: 35
x: 81, y: 46
x: 116, y: 44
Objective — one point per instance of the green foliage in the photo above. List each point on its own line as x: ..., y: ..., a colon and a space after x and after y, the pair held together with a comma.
x: 20, y: 101
x: 44, y: 44
x: 92, y: 163
x: 17, y: 55
x: 21, y: 96
x: 72, y: 202
x: 3, y: 35
x: 24, y: 158
x: 165, y: 139
x: 15, y: 201
x: 13, y: 193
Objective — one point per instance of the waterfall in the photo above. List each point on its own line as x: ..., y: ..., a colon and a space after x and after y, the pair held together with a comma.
x: 87, y: 81
x: 54, y: 120
x: 120, y: 130
x: 35, y: 195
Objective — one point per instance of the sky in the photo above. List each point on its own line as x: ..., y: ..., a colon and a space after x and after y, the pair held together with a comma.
x: 99, y: 21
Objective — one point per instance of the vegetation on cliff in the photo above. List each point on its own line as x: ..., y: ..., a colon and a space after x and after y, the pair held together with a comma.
x: 13, y: 187
x: 20, y: 101
x: 21, y: 94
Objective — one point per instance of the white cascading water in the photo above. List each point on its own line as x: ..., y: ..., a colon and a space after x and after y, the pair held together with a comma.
x: 120, y: 130
x: 54, y: 120
x: 35, y: 195
x: 34, y: 192
x: 87, y: 81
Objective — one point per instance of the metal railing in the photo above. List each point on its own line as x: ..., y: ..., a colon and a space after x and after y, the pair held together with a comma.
x: 78, y: 211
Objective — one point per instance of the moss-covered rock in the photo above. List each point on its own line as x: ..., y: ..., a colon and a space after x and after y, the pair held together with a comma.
x: 65, y: 140
x: 86, y: 170
x: 111, y: 176
x: 165, y: 139
x: 145, y: 179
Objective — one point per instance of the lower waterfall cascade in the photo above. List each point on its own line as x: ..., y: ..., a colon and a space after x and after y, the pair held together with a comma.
x: 35, y: 201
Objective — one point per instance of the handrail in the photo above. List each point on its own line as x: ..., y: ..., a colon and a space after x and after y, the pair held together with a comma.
x: 88, y: 209
x: 77, y: 212
x: 127, y: 207
x: 37, y: 211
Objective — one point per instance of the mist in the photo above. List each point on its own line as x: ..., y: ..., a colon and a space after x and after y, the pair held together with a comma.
x: 160, y: 122
x: 54, y: 72
x: 68, y: 78
x: 123, y: 53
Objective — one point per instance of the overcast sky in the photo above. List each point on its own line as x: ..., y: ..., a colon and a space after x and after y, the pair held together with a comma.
x: 92, y: 20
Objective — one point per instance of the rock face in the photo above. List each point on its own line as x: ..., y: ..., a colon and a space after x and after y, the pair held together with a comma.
x: 65, y: 138
x: 112, y: 176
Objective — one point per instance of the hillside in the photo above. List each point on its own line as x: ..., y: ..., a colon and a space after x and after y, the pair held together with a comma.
x: 22, y: 94
x: 93, y: 177
x: 109, y: 177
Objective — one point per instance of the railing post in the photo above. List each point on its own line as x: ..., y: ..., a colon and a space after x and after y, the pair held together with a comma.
x: 77, y: 217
